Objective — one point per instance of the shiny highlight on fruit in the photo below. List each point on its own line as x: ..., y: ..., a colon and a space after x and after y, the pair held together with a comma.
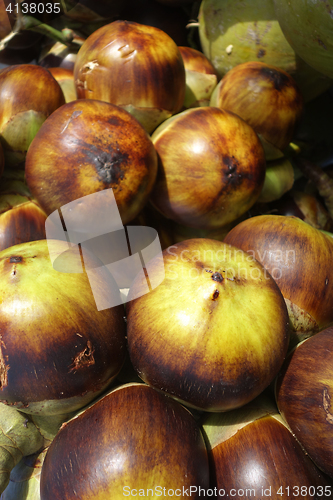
x: 211, y: 167
x: 135, y: 66
x: 263, y: 95
x: 218, y: 328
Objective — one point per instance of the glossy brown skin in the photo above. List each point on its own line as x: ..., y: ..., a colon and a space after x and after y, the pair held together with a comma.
x: 304, y: 389
x: 265, y: 456
x: 266, y: 97
x: 134, y: 437
x: 56, y: 347
x: 211, y: 168
x: 87, y: 146
x: 31, y: 95
x: 196, y: 336
x: 133, y: 64
x: 65, y: 78
x: 194, y: 60
x: 21, y: 223
x: 21, y: 217
x: 26, y: 87
x: 297, y: 255
x: 6, y: 20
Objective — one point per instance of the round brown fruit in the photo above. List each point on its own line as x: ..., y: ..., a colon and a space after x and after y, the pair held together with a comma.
x: 132, y: 442
x: 31, y: 95
x: 253, y: 453
x: 299, y: 257
x: 135, y: 66
x: 21, y: 217
x: 263, y: 95
x: 57, y: 351
x: 211, y: 168
x: 201, y: 77
x: 304, y: 389
x: 87, y: 146
x: 214, y: 333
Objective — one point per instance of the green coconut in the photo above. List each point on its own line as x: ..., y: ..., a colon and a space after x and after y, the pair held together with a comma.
x: 236, y: 31
x: 308, y: 27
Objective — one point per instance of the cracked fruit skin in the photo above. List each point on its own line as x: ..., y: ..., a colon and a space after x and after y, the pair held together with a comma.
x: 87, y: 146
x: 304, y: 389
x: 308, y: 27
x: 57, y: 351
x: 265, y: 96
x: 135, y: 66
x: 218, y: 327
x: 299, y: 257
x: 211, y: 168
x: 132, y: 439
x: 31, y: 95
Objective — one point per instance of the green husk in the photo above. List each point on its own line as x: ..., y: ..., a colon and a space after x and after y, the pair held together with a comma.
x: 23, y: 446
x: 307, y: 25
x: 25, y: 479
x: 236, y: 31
x: 18, y: 437
x: 199, y: 87
x: 220, y: 426
x: 17, y: 134
x: 279, y: 179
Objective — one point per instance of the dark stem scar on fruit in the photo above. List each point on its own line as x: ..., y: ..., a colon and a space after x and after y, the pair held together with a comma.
x: 3, y: 367
x: 231, y: 163
x: 278, y: 79
x: 110, y: 164
x: 261, y: 53
x: 231, y: 176
x: 217, y: 277
x: 327, y: 405
x: 84, y: 358
x: 14, y: 259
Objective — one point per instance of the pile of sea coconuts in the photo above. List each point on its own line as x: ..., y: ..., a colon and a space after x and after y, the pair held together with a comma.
x: 166, y: 249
